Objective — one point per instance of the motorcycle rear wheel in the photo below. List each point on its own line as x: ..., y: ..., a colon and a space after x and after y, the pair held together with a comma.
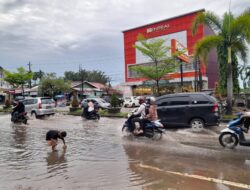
x: 157, y: 135
x: 228, y: 140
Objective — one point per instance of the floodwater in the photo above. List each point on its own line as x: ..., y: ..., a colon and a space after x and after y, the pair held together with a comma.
x: 99, y: 157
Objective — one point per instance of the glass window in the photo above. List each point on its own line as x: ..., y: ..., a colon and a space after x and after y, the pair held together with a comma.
x: 181, y: 100
x: 199, y: 99
x: 46, y: 101
x: 162, y: 102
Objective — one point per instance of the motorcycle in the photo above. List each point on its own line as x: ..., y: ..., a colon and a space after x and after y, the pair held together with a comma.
x: 152, y: 130
x: 233, y: 135
x: 93, y: 115
x: 20, y: 118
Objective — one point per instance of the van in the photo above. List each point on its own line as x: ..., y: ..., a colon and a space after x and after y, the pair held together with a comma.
x: 197, y: 110
x: 39, y: 106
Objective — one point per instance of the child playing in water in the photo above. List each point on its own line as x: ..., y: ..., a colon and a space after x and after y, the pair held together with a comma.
x: 53, y: 135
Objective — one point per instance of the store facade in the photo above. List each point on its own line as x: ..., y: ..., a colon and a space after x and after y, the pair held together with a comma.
x: 177, y: 34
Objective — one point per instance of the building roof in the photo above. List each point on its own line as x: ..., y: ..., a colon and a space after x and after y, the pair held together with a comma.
x: 98, y: 85
x: 200, y: 10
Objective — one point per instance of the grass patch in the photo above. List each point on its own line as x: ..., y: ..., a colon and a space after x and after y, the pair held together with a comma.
x: 228, y: 116
x: 105, y: 113
x: 76, y: 113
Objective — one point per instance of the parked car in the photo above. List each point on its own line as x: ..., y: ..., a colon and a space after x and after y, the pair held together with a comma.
x: 39, y: 106
x: 131, y: 101
x: 196, y: 110
x: 99, y: 101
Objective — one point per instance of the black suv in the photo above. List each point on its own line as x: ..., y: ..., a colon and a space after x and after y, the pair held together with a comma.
x: 196, y: 110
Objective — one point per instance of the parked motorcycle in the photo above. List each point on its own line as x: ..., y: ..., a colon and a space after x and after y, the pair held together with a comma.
x: 152, y: 130
x: 21, y: 118
x: 233, y: 135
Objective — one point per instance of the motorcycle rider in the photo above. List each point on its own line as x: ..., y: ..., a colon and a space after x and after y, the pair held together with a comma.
x: 17, y: 110
x: 151, y: 114
x: 138, y: 115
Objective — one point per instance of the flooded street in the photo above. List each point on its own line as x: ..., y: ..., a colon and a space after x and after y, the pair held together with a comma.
x: 100, y: 157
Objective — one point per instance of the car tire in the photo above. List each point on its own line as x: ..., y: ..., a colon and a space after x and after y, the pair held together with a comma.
x: 197, y: 124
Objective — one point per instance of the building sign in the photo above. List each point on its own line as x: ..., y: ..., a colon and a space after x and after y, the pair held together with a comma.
x: 158, y: 28
x: 178, y: 47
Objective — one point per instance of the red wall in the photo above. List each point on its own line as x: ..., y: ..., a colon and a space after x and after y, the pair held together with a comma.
x: 177, y: 24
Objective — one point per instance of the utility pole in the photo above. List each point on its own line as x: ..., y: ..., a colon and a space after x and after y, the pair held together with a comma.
x: 200, y: 75
x: 181, y: 72
x: 29, y: 72
x: 81, y: 76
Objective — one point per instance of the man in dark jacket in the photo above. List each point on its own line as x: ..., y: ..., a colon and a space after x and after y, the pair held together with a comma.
x: 17, y: 110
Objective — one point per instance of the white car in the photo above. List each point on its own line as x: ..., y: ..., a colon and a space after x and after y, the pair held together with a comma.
x: 131, y: 101
x: 39, y: 106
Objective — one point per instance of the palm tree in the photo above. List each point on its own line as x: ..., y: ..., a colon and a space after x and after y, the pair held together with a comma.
x: 232, y: 34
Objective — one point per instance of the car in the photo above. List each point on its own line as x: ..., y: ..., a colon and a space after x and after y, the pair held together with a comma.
x: 197, y: 110
x: 39, y: 106
x: 131, y: 101
x: 99, y: 101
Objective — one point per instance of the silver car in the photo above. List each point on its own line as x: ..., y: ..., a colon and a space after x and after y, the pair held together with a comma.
x: 39, y: 106
x: 99, y: 101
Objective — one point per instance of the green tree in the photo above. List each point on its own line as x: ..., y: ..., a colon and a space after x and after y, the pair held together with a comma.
x: 50, y: 86
x: 38, y: 75
x: 19, y: 78
x: 84, y: 75
x: 232, y: 34
x: 161, y: 62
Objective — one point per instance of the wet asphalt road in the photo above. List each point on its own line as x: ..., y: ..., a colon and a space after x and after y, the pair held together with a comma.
x: 99, y: 156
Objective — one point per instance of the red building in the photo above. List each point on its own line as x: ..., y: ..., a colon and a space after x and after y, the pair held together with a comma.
x: 177, y: 34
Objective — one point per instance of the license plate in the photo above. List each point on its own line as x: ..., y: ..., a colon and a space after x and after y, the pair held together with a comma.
x: 47, y: 107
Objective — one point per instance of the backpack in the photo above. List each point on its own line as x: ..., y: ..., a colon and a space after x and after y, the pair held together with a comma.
x: 147, y: 109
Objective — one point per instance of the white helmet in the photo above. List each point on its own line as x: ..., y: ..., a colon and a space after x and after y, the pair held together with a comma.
x: 151, y: 100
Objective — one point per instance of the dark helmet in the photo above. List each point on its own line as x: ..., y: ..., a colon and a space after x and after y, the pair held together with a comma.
x: 141, y: 99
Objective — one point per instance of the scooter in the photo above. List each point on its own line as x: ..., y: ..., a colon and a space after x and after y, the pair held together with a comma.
x: 94, y: 115
x: 233, y: 135
x: 21, y: 118
x: 153, y: 129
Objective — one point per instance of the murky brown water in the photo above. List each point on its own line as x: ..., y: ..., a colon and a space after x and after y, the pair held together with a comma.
x: 99, y: 157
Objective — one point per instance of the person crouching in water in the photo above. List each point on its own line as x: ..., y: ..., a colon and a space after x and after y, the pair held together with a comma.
x: 52, y: 138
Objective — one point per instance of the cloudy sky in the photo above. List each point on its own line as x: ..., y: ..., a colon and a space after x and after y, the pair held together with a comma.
x: 59, y: 35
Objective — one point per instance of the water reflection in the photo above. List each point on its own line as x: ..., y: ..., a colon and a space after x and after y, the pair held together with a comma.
x: 55, y: 157
x: 56, y: 161
x: 19, y: 136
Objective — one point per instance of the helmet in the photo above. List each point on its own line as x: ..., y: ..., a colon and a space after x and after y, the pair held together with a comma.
x: 151, y: 100
x: 141, y: 99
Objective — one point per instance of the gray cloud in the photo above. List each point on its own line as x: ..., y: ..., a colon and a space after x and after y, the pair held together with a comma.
x: 66, y: 33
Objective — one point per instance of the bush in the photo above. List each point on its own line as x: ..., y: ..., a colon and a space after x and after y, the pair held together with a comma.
x: 114, y: 101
